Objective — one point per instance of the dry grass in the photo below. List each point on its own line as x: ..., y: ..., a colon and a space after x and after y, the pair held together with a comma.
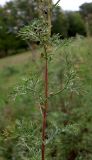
x: 15, y: 60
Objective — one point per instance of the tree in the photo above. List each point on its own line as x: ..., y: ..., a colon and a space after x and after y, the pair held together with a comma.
x: 86, y: 12
x: 9, y: 43
x: 14, y: 15
x: 86, y: 9
x: 59, y: 22
x: 76, y: 24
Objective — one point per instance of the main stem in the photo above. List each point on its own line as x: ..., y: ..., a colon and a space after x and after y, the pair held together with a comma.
x: 45, y: 107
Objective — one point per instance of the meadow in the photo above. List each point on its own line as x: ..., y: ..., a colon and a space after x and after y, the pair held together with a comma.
x: 69, y: 124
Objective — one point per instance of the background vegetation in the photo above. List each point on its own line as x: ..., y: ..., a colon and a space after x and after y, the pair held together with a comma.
x: 70, y: 113
x: 15, y: 14
x: 69, y: 122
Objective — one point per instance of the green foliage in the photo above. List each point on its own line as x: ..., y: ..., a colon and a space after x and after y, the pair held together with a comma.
x: 86, y: 9
x: 15, y: 14
x: 9, y: 71
x: 86, y: 12
x: 59, y: 22
x: 69, y: 131
x: 76, y: 24
x: 36, y: 31
x: 20, y: 140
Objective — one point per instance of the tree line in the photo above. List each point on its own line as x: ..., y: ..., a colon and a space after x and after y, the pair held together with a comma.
x: 17, y: 13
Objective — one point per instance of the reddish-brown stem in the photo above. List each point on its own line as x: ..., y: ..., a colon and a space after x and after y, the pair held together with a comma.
x: 45, y: 108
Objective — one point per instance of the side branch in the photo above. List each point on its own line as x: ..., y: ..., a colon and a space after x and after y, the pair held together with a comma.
x: 56, y: 3
x: 60, y: 91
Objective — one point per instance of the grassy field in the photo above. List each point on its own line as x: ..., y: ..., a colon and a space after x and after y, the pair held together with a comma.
x: 12, y: 68
x: 71, y: 110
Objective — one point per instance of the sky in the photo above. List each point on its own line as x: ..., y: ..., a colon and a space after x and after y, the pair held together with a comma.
x: 65, y: 4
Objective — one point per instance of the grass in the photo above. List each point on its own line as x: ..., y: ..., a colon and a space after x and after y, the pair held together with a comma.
x: 15, y: 60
